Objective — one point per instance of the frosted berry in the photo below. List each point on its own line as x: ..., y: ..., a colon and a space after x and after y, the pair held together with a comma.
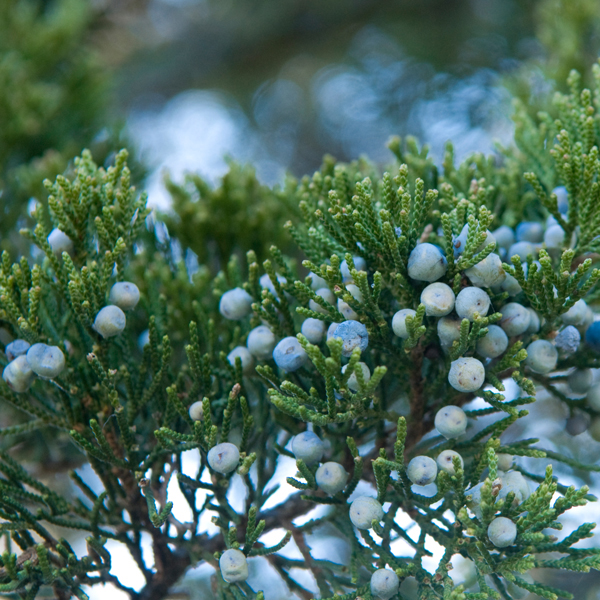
x: 472, y: 300
x: 513, y: 481
x: 331, y: 477
x: 593, y: 398
x: 515, y: 319
x: 592, y: 336
x: 504, y: 236
x: 577, y: 424
x: 353, y: 380
x: 223, y: 458
x: 568, y: 339
x: 511, y: 286
x: 422, y: 470
x: 289, y: 354
x: 307, y: 446
x: 245, y: 357
x: 541, y: 357
x: 502, y: 532
x: 235, y: 304
x: 317, y: 282
x: 522, y: 250
x: 580, y: 380
x: 60, y: 242
x: 448, y: 331
x: 196, y: 411
x: 451, y: 421
x: 364, y: 510
x: 266, y: 283
x: 384, y: 584
x: 313, y: 330
x: 331, y: 330
x: 426, y: 263
x: 261, y: 342
x: 466, y: 374
x: 353, y: 335
x: 488, y: 272
x: 110, y: 321
x: 16, y: 348
x: 562, y: 199
x: 529, y: 231
x: 438, y: 299
x: 534, y: 321
x: 360, y: 264
x: 554, y: 238
x: 505, y: 461
x: 460, y: 241
x: 576, y: 315
x: 46, y: 361
x: 233, y: 565
x: 344, y: 307
x: 399, y: 322
x: 18, y: 374
x: 327, y: 295
x: 125, y: 295
x: 494, y: 343
x: 445, y: 461
x: 473, y: 497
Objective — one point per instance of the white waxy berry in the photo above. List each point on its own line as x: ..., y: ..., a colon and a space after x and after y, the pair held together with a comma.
x: 515, y: 319
x: 364, y: 510
x: 331, y: 330
x: 344, y: 308
x: 451, y: 421
x: 488, y: 272
x: 593, y: 398
x: 466, y: 374
x: 196, y: 411
x: 576, y: 315
x: 472, y: 300
x: 289, y: 354
x: 505, y: 461
x: 460, y: 241
x: 554, y: 238
x: 261, y: 342
x: 426, y: 263
x: 353, y: 380
x: 511, y: 286
x: 60, y: 242
x: 504, y: 236
x: 46, y: 361
x: 513, y: 481
x: 494, y: 343
x: 307, y: 446
x: 542, y: 357
x: 266, y: 283
x: 235, y: 304
x: 448, y: 331
x: 16, y: 348
x: 422, y: 470
x: 445, y: 461
x: 313, y: 330
x: 353, y: 335
x: 534, y: 321
x: 522, y: 250
x: 331, y: 477
x: 327, y: 295
x: 233, y: 565
x: 223, y: 458
x: 580, y: 380
x: 360, y: 264
x: 384, y: 584
x: 110, y: 321
x: 316, y: 281
x: 473, y: 497
x: 502, y: 532
x: 529, y: 231
x: 245, y: 357
x: 399, y: 322
x: 438, y: 299
x: 125, y: 295
x: 18, y: 374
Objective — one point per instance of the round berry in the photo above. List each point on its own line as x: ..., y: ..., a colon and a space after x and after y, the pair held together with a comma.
x: 554, y: 238
x: 196, y: 411
x: 233, y: 565
x: 594, y: 429
x: 266, y: 283
x: 460, y: 241
x: 593, y: 398
x: 576, y: 315
x: 331, y: 477
x: 46, y: 361
x: 110, y: 321
x: 18, y: 374
x: 541, y: 357
x: 448, y: 331
x: 353, y: 380
x: 16, y: 348
x: 505, y: 461
x: 466, y: 374
x: 235, y: 304
x: 307, y: 446
x: 580, y: 380
x: 261, y: 342
x: 399, y: 322
x: 245, y: 357
x: 568, y: 339
x: 327, y: 295
x: 289, y: 354
x: 360, y: 264
x: 529, y: 231
x: 511, y: 286
x: 472, y: 300
x: 223, y: 458
x: 353, y: 335
x: 345, y: 308
x: 473, y: 497
x: 144, y: 339
x: 494, y: 343
x: 451, y: 421
x: 592, y: 336
x: 513, y: 481
x: 515, y: 319
x: 313, y: 330
x: 522, y: 250
x: 577, y: 424
x: 502, y: 532
x: 488, y: 272
x: 534, y: 321
x: 504, y: 236
x: 438, y: 299
x: 60, y: 242
x: 562, y: 199
x: 364, y: 510
x: 445, y: 461
x: 331, y: 330
x: 316, y: 282
x: 422, y: 470
x: 426, y: 263
x: 125, y: 295
x: 384, y: 584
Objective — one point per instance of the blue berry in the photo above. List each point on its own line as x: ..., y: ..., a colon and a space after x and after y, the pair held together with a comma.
x: 534, y: 321
x: 422, y: 470
x: 568, y: 339
x: 426, y: 263
x: 502, y: 532
x: 577, y: 424
x: 494, y: 343
x: 235, y: 304
x: 313, y: 330
x: 592, y: 336
x: 562, y: 198
x: 233, y: 565
x: 353, y: 380
x: 344, y: 307
x: 110, y: 321
x: 317, y: 282
x: 364, y: 510
x: 353, y: 335
x: 266, y: 283
x: 223, y: 458
x: 504, y: 236
x: 331, y: 477
x: 460, y: 241
x: 261, y: 342
x: 307, y: 446
x: 46, y: 361
x: 529, y: 231
x: 576, y: 315
x: 360, y: 264
x: 289, y: 354
x: 327, y: 295
x: 125, y: 295
x: 16, y: 348
x: 554, y: 238
x: 399, y: 322
x: 331, y: 330
x: 580, y: 380
x: 522, y: 250
x: 384, y: 584
x: 18, y: 374
x: 448, y: 330
x: 472, y: 300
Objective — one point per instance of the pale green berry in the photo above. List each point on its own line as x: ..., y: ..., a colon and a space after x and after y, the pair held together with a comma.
x: 505, y: 461
x: 125, y: 295
x: 451, y: 421
x: 233, y: 565
x: 331, y: 477
x: 313, y: 330
x: 594, y: 429
x: 448, y: 330
x: 487, y: 272
x: 245, y: 357
x: 60, y: 242
x: 466, y: 374
x: 541, y: 357
x: 307, y: 446
x: 46, y: 361
x: 422, y: 470
x: 110, y: 321
x: 18, y: 374
x: 353, y: 380
x: 472, y: 300
x: 426, y: 263
x: 327, y: 295
x: 360, y: 264
x: 384, y: 584
x: 196, y: 410
x: 502, y: 532
x: 223, y: 458
x: 494, y: 343
x: 577, y: 314
x: 580, y: 380
x: 317, y: 282
x: 261, y: 342
x: 445, y: 461
x: 515, y: 319
x: 399, y: 322
x: 438, y: 299
x: 364, y: 510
